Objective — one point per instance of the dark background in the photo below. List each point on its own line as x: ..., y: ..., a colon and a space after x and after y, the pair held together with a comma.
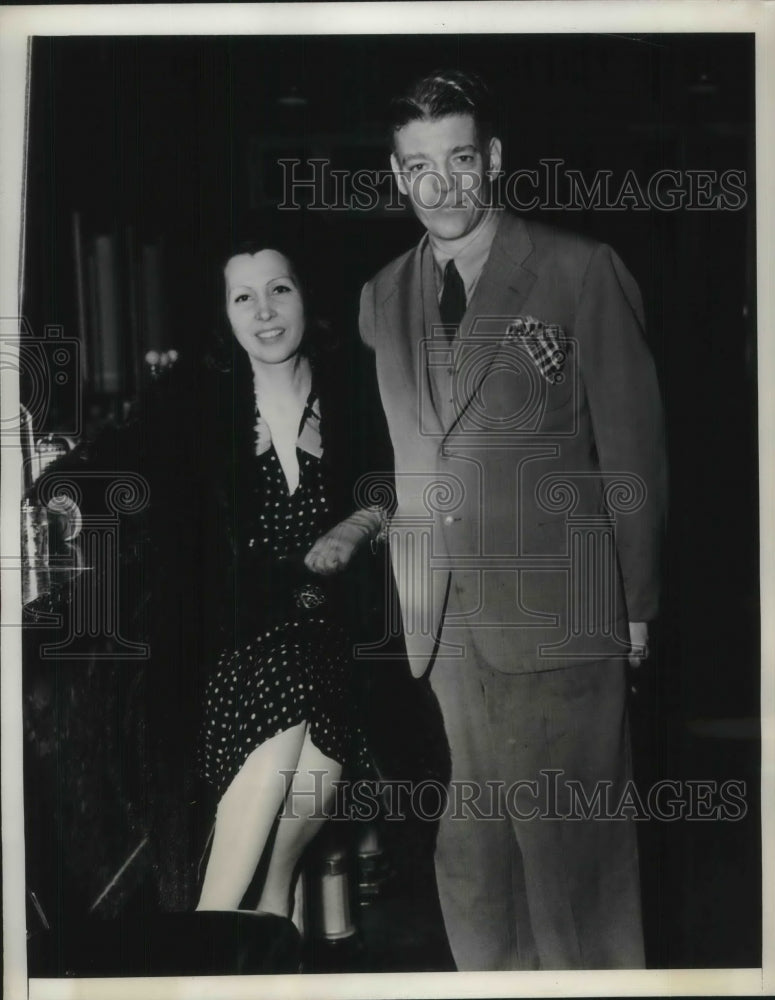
x: 171, y: 141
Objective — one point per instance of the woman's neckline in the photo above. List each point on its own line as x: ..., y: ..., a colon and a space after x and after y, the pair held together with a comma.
x: 293, y: 378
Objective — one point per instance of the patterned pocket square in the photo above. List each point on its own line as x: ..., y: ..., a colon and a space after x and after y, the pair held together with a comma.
x: 546, y: 344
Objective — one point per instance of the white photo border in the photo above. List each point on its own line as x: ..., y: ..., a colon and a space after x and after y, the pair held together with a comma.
x: 17, y: 26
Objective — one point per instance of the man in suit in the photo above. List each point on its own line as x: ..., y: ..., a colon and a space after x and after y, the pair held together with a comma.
x: 526, y: 423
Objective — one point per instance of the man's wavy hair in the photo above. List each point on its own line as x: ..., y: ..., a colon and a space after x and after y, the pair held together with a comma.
x: 443, y: 93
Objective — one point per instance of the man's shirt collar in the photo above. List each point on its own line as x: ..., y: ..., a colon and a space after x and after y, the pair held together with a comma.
x: 470, y: 253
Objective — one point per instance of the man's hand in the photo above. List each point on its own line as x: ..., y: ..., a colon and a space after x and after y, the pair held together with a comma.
x: 639, y: 643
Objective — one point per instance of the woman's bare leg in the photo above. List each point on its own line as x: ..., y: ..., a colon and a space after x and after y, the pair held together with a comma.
x: 309, y: 799
x: 245, y: 817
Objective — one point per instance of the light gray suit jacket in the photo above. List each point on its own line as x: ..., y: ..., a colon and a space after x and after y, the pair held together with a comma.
x: 529, y: 513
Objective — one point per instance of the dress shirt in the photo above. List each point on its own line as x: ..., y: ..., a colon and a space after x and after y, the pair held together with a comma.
x: 470, y: 253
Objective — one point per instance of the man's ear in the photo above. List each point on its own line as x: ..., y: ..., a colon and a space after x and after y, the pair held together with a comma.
x: 403, y: 187
x: 494, y: 166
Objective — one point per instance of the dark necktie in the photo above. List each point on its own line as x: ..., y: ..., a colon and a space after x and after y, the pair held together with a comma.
x: 453, y: 298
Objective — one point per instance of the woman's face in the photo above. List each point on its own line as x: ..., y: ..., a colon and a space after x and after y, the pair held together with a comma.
x: 264, y: 306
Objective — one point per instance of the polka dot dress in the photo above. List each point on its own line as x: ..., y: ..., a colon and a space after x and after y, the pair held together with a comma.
x: 295, y: 668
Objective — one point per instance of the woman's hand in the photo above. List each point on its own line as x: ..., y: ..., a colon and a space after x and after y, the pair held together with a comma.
x: 333, y: 551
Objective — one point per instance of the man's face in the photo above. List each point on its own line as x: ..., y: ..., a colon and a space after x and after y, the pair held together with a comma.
x: 441, y: 167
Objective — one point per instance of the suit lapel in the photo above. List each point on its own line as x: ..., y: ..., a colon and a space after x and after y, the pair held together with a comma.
x: 402, y: 314
x: 505, y: 282
x: 435, y: 354
x: 405, y: 309
x: 500, y: 293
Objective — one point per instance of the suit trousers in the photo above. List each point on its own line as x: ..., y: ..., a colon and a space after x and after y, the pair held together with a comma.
x: 525, y: 881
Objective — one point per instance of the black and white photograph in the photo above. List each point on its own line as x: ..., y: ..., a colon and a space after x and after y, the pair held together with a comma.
x: 384, y: 451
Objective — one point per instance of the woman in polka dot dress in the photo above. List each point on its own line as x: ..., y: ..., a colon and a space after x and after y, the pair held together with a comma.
x: 278, y: 701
